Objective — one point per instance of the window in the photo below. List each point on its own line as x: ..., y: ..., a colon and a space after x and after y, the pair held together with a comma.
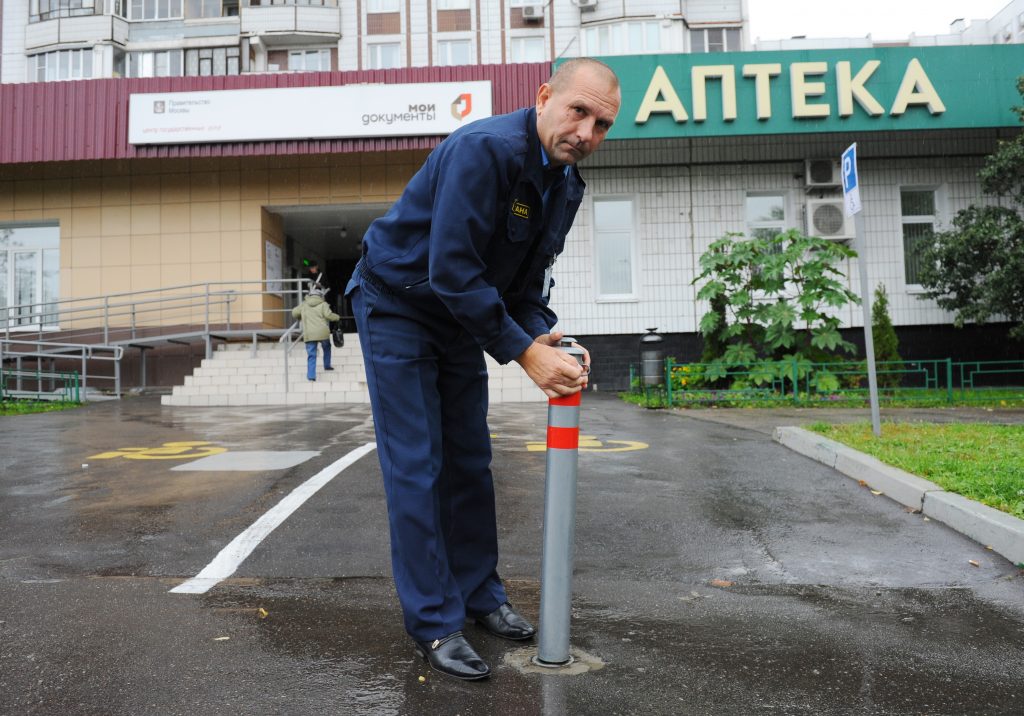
x: 453, y: 52
x: 382, y: 5
x: 765, y: 216
x: 917, y: 209
x: 613, y: 247
x: 452, y: 4
x: 61, y: 65
x: 202, y: 8
x: 715, y: 39
x: 309, y: 60
x: 155, y: 64
x: 383, y: 56
x: 29, y: 274
x: 528, y: 49
x: 624, y: 38
x: 50, y: 9
x: 154, y: 9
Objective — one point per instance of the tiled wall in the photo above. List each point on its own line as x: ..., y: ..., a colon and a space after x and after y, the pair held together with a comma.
x: 683, y: 207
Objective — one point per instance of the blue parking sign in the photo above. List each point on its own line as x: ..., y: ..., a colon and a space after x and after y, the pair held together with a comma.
x: 851, y: 192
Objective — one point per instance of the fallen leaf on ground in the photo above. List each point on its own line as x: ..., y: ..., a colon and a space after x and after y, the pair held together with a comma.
x: 862, y: 483
x: 912, y: 510
x: 221, y: 638
x: 721, y: 583
x: 973, y: 563
x: 877, y: 492
x: 263, y: 613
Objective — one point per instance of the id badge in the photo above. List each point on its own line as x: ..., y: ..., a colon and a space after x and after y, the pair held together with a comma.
x: 546, y: 291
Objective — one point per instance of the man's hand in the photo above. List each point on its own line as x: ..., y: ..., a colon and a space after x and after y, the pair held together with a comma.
x: 553, y: 370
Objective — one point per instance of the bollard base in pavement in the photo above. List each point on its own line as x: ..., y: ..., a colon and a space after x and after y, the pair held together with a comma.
x: 552, y: 664
x: 580, y: 662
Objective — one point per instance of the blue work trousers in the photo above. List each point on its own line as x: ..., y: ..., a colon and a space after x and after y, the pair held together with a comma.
x: 311, y: 357
x: 428, y: 391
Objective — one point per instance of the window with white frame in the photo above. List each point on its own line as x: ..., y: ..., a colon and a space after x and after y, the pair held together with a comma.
x: 309, y: 60
x: 156, y: 64
x: 383, y: 55
x: 527, y: 49
x: 382, y: 5
x: 917, y: 212
x: 613, y: 247
x: 453, y: 52
x: 715, y: 39
x: 765, y: 215
x: 39, y: 10
x: 202, y: 8
x: 452, y: 4
x: 154, y: 9
x: 29, y: 274
x: 623, y: 38
x: 61, y: 65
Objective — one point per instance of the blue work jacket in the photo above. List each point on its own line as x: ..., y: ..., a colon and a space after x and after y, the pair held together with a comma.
x: 470, y: 239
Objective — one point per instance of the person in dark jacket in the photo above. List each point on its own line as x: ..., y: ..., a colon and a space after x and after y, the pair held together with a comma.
x: 462, y: 264
x: 315, y: 315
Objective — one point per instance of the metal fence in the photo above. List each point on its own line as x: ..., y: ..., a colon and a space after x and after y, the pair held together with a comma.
x: 57, y: 386
x: 803, y: 383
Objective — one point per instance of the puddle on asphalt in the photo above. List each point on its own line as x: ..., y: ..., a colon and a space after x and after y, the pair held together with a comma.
x: 746, y: 648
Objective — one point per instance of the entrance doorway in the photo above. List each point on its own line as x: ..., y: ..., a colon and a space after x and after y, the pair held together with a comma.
x: 330, y: 236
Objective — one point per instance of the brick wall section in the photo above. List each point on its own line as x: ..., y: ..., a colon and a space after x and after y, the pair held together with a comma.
x: 453, y: 21
x: 383, y: 23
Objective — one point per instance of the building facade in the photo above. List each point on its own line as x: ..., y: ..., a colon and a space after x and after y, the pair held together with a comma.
x: 710, y: 141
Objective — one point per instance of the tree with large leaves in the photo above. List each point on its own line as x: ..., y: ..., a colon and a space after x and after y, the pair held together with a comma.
x: 774, y: 298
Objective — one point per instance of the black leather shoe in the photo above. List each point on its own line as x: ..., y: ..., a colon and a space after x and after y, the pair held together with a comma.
x: 453, y: 655
x: 507, y: 623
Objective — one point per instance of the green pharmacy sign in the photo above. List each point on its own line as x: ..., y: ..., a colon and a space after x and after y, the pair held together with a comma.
x: 812, y: 91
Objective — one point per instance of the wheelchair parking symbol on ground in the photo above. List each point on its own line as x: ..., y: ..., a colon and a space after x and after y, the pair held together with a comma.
x: 183, y: 450
x: 589, y: 443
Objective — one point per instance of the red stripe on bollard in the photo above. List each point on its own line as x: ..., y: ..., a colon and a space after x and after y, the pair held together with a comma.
x: 569, y: 400
x: 563, y: 438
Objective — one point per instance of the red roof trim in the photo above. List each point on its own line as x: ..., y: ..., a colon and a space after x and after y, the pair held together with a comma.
x: 88, y: 119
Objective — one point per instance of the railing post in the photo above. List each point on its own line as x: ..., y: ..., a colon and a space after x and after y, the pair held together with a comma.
x: 142, y: 366
x: 18, y: 385
x: 117, y: 378
x: 133, y: 321
x: 287, y: 349
x: 106, y: 320
x: 668, y: 381
x: 949, y: 380
x: 796, y: 381
x: 206, y: 324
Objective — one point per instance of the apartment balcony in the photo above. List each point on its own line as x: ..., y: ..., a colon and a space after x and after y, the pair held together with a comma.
x: 281, y: 24
x: 90, y: 29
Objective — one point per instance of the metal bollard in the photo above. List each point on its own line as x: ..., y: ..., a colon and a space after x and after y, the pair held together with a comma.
x: 559, y: 524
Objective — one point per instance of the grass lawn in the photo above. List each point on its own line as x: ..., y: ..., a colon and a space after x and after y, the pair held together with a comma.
x: 983, y: 462
x: 26, y: 407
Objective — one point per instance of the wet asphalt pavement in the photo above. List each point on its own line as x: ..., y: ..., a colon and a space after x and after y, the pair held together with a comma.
x: 716, y: 573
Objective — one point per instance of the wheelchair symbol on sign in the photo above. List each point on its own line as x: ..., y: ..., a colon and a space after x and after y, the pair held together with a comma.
x: 169, y: 451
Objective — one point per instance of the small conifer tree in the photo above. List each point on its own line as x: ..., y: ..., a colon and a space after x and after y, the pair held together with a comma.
x: 886, y: 342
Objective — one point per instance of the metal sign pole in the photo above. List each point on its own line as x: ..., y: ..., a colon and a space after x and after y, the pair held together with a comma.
x: 559, y: 524
x: 852, y: 205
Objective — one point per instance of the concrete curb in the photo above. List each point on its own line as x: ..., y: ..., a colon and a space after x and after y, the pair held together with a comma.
x: 1002, y: 532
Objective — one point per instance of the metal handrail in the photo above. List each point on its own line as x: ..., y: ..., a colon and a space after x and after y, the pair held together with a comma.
x: 117, y: 319
x: 53, y: 350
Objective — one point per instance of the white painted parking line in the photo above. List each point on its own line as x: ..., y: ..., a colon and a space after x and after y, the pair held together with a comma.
x: 225, y: 563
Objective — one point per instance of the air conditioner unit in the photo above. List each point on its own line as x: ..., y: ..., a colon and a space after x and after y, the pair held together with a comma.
x: 826, y: 218
x: 586, y: 4
x: 533, y: 12
x: 822, y: 172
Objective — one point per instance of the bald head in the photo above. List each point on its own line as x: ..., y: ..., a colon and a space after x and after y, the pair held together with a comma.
x: 564, y: 74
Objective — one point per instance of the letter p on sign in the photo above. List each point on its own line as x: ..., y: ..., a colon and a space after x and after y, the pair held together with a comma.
x: 851, y: 190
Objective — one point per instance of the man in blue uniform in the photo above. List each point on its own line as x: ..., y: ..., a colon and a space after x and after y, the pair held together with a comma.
x: 461, y: 264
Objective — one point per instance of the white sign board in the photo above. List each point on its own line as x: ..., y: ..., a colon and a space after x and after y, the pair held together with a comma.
x: 306, y: 112
x: 274, y: 267
x: 851, y: 189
